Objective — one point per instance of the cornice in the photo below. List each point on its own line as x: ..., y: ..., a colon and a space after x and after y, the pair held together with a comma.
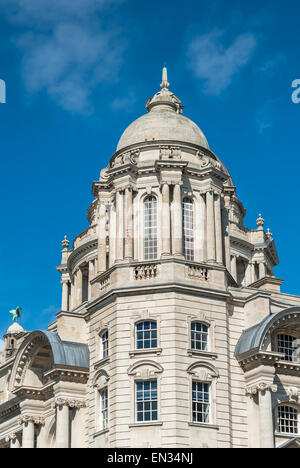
x: 9, y: 408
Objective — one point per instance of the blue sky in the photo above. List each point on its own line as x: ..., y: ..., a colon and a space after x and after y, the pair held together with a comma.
x: 78, y: 72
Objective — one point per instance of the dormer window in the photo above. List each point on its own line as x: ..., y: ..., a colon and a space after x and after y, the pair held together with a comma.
x: 286, y: 345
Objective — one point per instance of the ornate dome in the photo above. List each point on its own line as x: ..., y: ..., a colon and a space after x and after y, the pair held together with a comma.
x: 15, y: 328
x: 164, y: 122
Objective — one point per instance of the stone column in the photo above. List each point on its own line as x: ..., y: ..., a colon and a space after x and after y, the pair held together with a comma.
x: 166, y: 221
x: 78, y: 286
x: 91, y: 276
x: 112, y: 234
x: 120, y: 226
x: 177, y: 216
x: 218, y: 227
x: 28, y: 432
x: 225, y: 219
x: 252, y: 269
x: 262, y: 270
x: 128, y: 224
x: 266, y: 425
x: 65, y: 294
x: 210, y: 226
x: 62, y: 424
x: 233, y: 268
x: 102, y: 239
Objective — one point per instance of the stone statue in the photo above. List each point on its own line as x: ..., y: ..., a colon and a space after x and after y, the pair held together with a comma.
x: 16, y: 313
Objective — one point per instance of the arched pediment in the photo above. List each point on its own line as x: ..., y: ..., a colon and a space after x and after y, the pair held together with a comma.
x: 257, y: 337
x: 203, y: 371
x: 145, y: 369
x: 101, y: 379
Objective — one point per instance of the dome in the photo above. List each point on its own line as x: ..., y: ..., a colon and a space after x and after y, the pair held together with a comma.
x: 163, y: 122
x: 15, y: 328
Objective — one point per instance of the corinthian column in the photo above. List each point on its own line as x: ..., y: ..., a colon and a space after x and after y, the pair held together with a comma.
x: 120, y: 226
x: 128, y: 224
x: 177, y: 231
x: 166, y: 221
x: 62, y: 425
x: 65, y: 294
x: 102, y: 239
x: 266, y: 425
x: 218, y: 227
x: 28, y: 431
x: 210, y: 226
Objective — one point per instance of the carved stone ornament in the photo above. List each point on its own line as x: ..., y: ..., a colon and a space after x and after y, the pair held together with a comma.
x: 10, y: 437
x: 130, y: 157
x: 206, y: 161
x: 24, y: 419
x: 69, y: 402
x: 261, y: 387
x: 169, y: 152
x: 293, y: 393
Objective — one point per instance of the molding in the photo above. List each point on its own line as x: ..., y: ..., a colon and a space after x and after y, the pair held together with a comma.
x: 146, y: 424
x: 205, y: 354
x: 206, y: 426
x: 141, y: 352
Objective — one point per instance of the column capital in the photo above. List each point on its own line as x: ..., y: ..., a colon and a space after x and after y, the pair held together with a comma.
x: 26, y: 418
x: 260, y: 387
x: 10, y: 437
x: 77, y: 404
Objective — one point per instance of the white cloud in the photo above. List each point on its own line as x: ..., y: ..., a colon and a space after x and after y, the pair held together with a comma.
x: 66, y: 52
x: 124, y: 103
x: 265, y: 117
x: 210, y: 60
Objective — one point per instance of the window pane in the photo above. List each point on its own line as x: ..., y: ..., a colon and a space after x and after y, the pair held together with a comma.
x: 201, y: 402
x: 285, y: 345
x: 188, y: 229
x: 287, y: 420
x: 146, y: 397
x: 150, y: 228
x: 146, y: 335
x: 199, y: 336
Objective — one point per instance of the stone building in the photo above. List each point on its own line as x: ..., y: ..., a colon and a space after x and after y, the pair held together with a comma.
x: 173, y: 331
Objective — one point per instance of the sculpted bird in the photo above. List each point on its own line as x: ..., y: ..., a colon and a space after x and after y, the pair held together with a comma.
x: 16, y: 313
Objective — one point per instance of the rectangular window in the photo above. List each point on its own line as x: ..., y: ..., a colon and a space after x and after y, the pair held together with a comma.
x: 199, y: 336
x: 104, y: 409
x: 287, y: 420
x: 146, y: 335
x: 104, y: 339
x: 150, y: 228
x: 146, y: 401
x: 201, y: 402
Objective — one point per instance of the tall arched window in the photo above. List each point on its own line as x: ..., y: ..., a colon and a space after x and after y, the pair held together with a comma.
x: 150, y: 228
x: 188, y: 229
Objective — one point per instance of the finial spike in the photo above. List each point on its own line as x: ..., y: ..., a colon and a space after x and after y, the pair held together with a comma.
x: 164, y: 83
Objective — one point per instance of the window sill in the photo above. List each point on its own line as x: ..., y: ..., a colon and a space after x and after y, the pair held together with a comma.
x: 100, y: 433
x: 101, y: 362
x: 138, y: 352
x: 286, y: 436
x: 146, y: 424
x: 206, y: 426
x: 208, y: 354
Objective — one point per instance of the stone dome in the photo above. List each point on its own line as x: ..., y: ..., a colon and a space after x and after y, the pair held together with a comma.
x: 163, y: 122
x: 15, y: 328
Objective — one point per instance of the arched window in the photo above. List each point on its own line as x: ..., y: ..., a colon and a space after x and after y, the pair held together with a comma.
x: 150, y: 228
x: 188, y: 229
x: 286, y: 345
x: 146, y: 335
x: 104, y: 345
x: 199, y: 336
x: 287, y: 419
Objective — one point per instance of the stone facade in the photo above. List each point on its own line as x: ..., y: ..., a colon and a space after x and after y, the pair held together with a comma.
x: 173, y: 331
